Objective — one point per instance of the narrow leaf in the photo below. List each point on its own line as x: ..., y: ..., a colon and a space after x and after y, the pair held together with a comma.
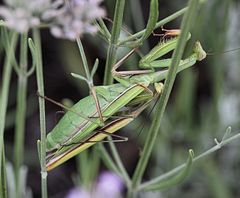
x: 33, y: 53
x: 39, y: 149
x: 176, y: 179
x: 95, y: 67
x: 152, y: 20
x: 103, y: 29
x: 80, y: 77
x: 151, y: 24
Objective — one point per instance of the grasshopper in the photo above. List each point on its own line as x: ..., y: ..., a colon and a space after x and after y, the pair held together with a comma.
x: 76, y: 132
x: 119, y: 120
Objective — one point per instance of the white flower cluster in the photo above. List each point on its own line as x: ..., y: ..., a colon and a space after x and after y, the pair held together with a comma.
x: 66, y: 18
x: 22, y: 15
x: 70, y: 20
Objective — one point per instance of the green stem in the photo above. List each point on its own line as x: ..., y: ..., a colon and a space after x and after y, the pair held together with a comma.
x: 6, y: 45
x: 179, y: 168
x: 112, y: 49
x: 7, y: 70
x: 109, y: 163
x: 84, y: 60
x: 40, y: 84
x: 83, y: 168
x: 113, y: 148
x: 111, y: 59
x: 161, y: 105
x: 104, y: 30
x: 107, y: 159
x: 20, y: 113
x: 119, y: 163
x: 159, y: 24
x: 3, y: 181
x: 95, y: 165
x: 138, y: 20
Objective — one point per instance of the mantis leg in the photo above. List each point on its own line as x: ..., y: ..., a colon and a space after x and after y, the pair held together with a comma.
x: 149, y: 61
x: 127, y: 73
x: 168, y: 32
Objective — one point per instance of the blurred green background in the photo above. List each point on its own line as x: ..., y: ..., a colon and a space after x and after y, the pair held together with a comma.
x: 204, y: 102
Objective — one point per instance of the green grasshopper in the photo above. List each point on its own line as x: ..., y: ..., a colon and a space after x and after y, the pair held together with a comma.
x: 81, y: 127
x: 118, y: 120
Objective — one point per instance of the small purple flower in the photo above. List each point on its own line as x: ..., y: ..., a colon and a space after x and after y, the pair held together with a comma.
x: 109, y: 185
x: 78, y: 193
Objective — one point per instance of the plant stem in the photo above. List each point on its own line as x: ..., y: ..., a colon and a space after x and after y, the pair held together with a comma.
x: 3, y: 181
x: 7, y: 70
x: 40, y: 84
x: 159, y: 24
x: 83, y: 57
x: 179, y: 168
x: 108, y: 160
x: 119, y: 163
x: 20, y: 112
x: 138, y: 20
x: 161, y: 105
x: 111, y: 59
x: 112, y: 49
x: 113, y: 148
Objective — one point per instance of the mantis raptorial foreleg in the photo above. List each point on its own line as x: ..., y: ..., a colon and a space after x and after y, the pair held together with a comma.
x: 149, y: 61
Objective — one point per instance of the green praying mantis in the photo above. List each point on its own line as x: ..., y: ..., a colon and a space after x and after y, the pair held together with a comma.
x: 81, y: 126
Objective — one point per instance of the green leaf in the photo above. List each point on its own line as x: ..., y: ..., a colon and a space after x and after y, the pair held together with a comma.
x: 80, y: 77
x: 152, y: 20
x: 151, y: 25
x: 95, y: 67
x: 32, y: 48
x: 39, y: 149
x: 176, y: 179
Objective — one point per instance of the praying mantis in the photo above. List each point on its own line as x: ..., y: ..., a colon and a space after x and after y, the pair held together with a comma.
x: 81, y: 126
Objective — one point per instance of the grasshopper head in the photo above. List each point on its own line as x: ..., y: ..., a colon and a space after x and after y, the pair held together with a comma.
x: 158, y: 87
x: 201, y: 54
